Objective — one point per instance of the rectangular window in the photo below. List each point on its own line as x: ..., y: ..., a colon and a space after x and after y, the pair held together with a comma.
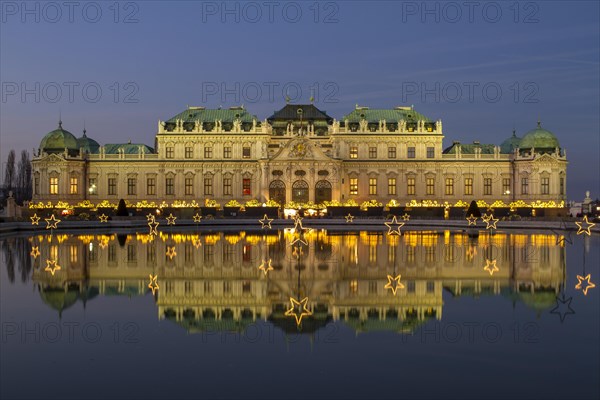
x: 449, y: 186
x: 545, y: 185
x: 207, y: 152
x: 189, y: 186
x: 411, y: 152
x: 372, y: 152
x: 430, y: 185
x: 468, y: 186
x: 430, y: 152
x: 487, y: 186
x: 208, y: 186
x: 170, y: 152
x: 391, y: 152
x: 189, y: 152
x: 506, y: 185
x: 151, y: 186
x: 410, y: 186
x: 112, y: 186
x: 353, y: 185
x: 524, y: 186
x: 93, y: 186
x: 430, y: 286
x: 227, y: 152
x: 73, y: 185
x: 36, y: 185
x: 391, y: 186
x: 353, y: 152
x: 170, y: 186
x: 131, y: 186
x: 246, y: 190
x: 227, y: 186
x: 372, y: 185
x: 54, y: 185
x: 562, y: 185
x: 245, y: 152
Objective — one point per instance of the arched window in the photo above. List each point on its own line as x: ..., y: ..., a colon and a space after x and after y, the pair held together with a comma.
x: 277, y: 191
x: 300, y: 191
x: 322, y: 191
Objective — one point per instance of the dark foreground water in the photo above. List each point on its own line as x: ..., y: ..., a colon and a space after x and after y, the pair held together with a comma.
x: 472, y: 316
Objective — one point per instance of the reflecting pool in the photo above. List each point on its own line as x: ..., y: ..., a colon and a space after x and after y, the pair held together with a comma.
x: 271, y: 314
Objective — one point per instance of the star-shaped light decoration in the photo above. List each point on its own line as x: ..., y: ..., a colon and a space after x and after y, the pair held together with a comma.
x: 265, y: 222
x: 266, y: 268
x: 406, y: 217
x: 197, y: 243
x: 171, y: 219
x: 171, y: 252
x: 584, y: 226
x: 52, y: 222
x: 150, y: 217
x: 52, y: 266
x: 104, y: 242
x: 394, y: 283
x: 297, y: 252
x: 35, y: 220
x: 491, y: 267
x: 153, y: 225
x: 197, y: 217
x: 397, y: 225
x: 491, y: 222
x: 472, y: 219
x: 349, y: 218
x: 35, y: 252
x: 588, y: 285
x: 153, y: 285
x: 299, y: 238
x: 103, y: 218
x: 298, y: 309
x: 563, y: 307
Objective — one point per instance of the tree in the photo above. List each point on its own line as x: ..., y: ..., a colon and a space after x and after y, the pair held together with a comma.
x: 9, y: 174
x: 23, y: 179
x: 473, y: 210
x: 122, y: 209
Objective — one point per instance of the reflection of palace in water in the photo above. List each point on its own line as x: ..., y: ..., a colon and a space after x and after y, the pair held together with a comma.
x: 213, y: 279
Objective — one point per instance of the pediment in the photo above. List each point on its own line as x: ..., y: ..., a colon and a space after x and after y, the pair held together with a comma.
x: 546, y: 158
x: 301, y: 149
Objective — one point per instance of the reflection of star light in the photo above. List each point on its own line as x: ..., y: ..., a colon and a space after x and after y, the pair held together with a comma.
x: 103, y: 243
x: 298, y: 252
x: 490, y: 266
x: 197, y: 217
x: 35, y: 252
x: 52, y: 222
x: 563, y: 307
x: 264, y: 268
x: 491, y: 222
x: 584, y: 226
x: 153, y: 285
x: 396, y: 224
x: 588, y: 285
x: 171, y: 252
x: 349, y: 218
x: 265, y: 222
x: 35, y: 220
x: 153, y: 225
x: 103, y: 218
x: 298, y: 309
x: 394, y: 283
x: 406, y: 217
x: 472, y: 220
x: 52, y: 266
x: 171, y: 219
x: 471, y: 252
x: 197, y: 243
x: 299, y: 238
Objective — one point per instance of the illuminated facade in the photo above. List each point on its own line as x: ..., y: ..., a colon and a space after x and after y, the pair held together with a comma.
x: 300, y: 154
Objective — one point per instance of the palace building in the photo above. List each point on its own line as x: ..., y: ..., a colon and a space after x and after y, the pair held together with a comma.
x: 300, y: 154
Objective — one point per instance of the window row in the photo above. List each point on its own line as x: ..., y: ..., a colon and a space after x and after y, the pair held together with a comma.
x: 411, y: 152
x: 208, y: 152
x: 449, y: 188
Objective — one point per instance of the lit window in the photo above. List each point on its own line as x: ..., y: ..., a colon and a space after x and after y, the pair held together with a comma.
x: 353, y: 185
x: 54, y: 185
x: 207, y: 152
x: 449, y: 186
x: 170, y: 152
x: 410, y: 186
x: 73, y: 185
x: 353, y: 286
x: 131, y: 186
x: 93, y: 187
x: 372, y: 185
x: 227, y: 186
x: 372, y: 152
x: 410, y: 152
x: 430, y: 185
x: 246, y: 191
x: 391, y: 186
x: 487, y: 186
x: 189, y: 186
x: 170, y: 186
x: 468, y: 186
x: 208, y: 186
x: 353, y: 152
x: 391, y: 152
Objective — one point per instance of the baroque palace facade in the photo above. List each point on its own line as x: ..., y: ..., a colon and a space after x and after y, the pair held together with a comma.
x: 300, y: 154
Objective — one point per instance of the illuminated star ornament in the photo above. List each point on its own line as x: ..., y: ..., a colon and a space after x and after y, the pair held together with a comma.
x: 150, y: 217
x: 197, y: 243
x: 265, y: 222
x: 349, y: 218
x: 299, y: 238
x: 52, y: 266
x: 584, y: 226
x: 197, y: 217
x: 35, y: 252
x: 153, y: 285
x: 171, y: 252
x: 472, y: 220
x: 394, y: 283
x: 103, y: 218
x: 35, y: 220
x: 397, y: 225
x: 405, y: 217
x: 298, y: 309
x: 485, y: 218
x: 491, y: 222
x: 171, y: 219
x: 52, y: 222
x: 153, y: 225
x: 563, y: 307
x: 491, y: 267
x: 266, y: 268
x: 588, y: 285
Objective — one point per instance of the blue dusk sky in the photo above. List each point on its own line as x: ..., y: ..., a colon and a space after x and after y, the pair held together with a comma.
x: 484, y: 68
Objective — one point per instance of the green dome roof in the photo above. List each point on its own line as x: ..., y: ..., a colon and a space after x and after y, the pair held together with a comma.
x: 539, y: 138
x: 58, y: 140
x: 510, y: 144
x: 89, y: 145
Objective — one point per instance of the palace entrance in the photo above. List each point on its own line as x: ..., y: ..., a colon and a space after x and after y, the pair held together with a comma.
x: 322, y: 191
x: 277, y: 192
x: 300, y: 192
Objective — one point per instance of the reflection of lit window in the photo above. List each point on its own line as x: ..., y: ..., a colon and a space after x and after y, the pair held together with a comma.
x: 353, y: 286
x: 246, y: 287
x: 410, y: 254
x: 54, y: 252
x: 226, y: 287
x: 430, y: 286
x: 391, y: 254
x: 188, y: 252
x: 131, y: 253
x: 150, y: 254
x: 430, y: 254
x: 372, y: 254
x: 372, y: 287
x: 188, y: 287
x: 410, y: 286
x: 207, y: 287
x: 112, y: 253
x: 54, y: 185
x: 247, y: 253
x: 449, y: 253
x: 169, y: 287
x: 208, y: 253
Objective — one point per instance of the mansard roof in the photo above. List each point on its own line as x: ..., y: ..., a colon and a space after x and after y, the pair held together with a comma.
x: 470, y: 148
x: 202, y: 114
x: 128, y: 148
x: 293, y: 112
x: 374, y: 115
